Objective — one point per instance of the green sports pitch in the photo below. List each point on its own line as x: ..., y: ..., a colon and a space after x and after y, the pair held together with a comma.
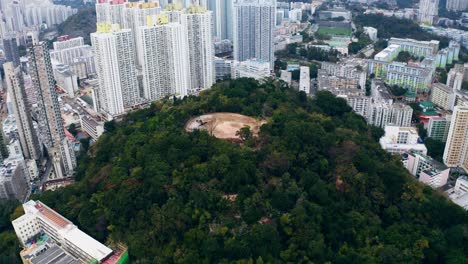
x: 335, y: 31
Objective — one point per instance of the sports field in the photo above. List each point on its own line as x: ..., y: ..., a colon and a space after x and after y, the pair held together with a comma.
x: 335, y: 31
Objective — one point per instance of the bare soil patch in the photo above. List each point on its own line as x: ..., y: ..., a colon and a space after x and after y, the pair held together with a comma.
x: 224, y: 125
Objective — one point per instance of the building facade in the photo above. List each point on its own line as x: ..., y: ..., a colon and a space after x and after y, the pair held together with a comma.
x: 22, y: 110
x: 49, y: 115
x: 166, y: 69
x: 254, y: 22
x: 456, y: 149
x: 116, y: 70
x: 428, y: 11
x: 198, y: 24
x: 438, y: 128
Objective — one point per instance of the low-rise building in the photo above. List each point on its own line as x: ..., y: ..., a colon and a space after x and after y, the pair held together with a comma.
x: 459, y: 194
x: 416, y: 47
x: 411, y: 76
x: 398, y: 140
x: 39, y: 219
x: 92, y: 127
x: 223, y: 69
x: 371, y: 32
x: 66, y: 79
x: 286, y: 76
x: 250, y: 69
x: 350, y: 68
x: 426, y: 169
x: 46, y: 251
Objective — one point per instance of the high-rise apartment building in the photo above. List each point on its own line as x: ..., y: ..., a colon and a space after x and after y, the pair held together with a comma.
x: 428, y: 10
x: 456, y: 5
x: 49, y: 115
x: 10, y: 48
x: 456, y: 149
x: 110, y: 11
x: 438, y: 128
x: 115, y: 66
x: 197, y: 23
x: 166, y: 68
x: 16, y: 90
x: 222, y: 18
x: 443, y: 96
x: 254, y: 22
x: 134, y: 16
x: 455, y: 77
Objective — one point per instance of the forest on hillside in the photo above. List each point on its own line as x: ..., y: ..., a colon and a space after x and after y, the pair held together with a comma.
x: 81, y: 24
x: 314, y: 187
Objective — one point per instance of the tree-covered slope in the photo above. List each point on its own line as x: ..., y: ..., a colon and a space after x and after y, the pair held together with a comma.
x: 82, y: 24
x: 315, y: 187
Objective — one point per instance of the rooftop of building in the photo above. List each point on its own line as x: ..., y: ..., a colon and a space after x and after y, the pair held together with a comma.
x: 67, y: 230
x: 90, y: 121
x: 443, y: 87
x: 415, y: 41
x: 45, y: 251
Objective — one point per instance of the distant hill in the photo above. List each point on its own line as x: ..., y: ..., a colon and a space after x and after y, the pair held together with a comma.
x: 81, y: 24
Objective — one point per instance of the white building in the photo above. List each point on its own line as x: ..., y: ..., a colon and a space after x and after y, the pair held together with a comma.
x: 382, y: 114
x: 371, y: 32
x: 222, y: 18
x: 250, y: 69
x: 166, y: 67
x: 438, y: 128
x: 456, y: 5
x: 286, y: 76
x: 254, y: 22
x: 359, y: 102
x: 66, y: 79
x: 443, y: 96
x: 39, y: 218
x: 426, y: 169
x: 401, y: 115
x: 134, y: 15
x: 110, y: 11
x: 92, y: 127
x: 116, y: 70
x: 428, y: 10
x: 459, y: 194
x: 304, y: 79
x: 455, y: 77
x: 416, y: 47
x: 398, y: 140
x: 295, y: 15
x: 197, y: 22
x: 73, y: 51
x: 456, y: 149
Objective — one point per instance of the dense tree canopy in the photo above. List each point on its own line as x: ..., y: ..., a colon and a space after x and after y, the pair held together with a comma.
x: 81, y: 24
x: 314, y: 187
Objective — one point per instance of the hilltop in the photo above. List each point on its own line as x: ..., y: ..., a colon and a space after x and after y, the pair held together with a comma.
x: 314, y: 186
x: 82, y: 24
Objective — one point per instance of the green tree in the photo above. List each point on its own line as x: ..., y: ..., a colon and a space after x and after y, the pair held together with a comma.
x: 72, y: 129
x: 435, y: 148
